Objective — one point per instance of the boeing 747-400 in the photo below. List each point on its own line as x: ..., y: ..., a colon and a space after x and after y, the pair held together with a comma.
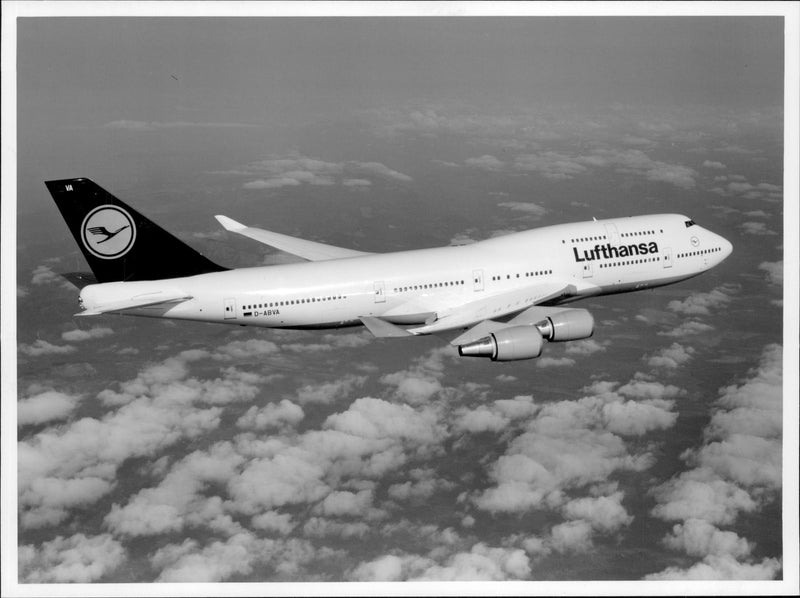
x: 500, y: 298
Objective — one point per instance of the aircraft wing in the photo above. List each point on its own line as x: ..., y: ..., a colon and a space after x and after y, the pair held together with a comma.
x: 495, y: 306
x: 308, y: 250
x: 146, y: 300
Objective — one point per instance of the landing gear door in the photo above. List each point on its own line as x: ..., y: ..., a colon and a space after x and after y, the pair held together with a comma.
x: 230, y: 309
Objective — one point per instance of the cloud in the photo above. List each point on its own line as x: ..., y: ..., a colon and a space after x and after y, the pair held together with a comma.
x: 583, y: 347
x: 365, y: 441
x: 721, y: 568
x: 544, y: 462
x: 329, y: 391
x: 551, y: 165
x: 384, y: 568
x: 216, y: 561
x: 485, y: 162
x: 524, y: 206
x: 339, y: 503
x: 142, y: 126
x: 737, y: 470
x: 42, y: 347
x: 756, y: 228
x: 295, y: 170
x: 653, y: 391
x: 274, y: 521
x: 379, y: 169
x: 774, y: 271
x: 421, y: 382
x: 78, y: 335
x: 272, y: 415
x: 356, y: 183
x: 275, y: 183
x: 494, y: 417
x: 634, y: 161
x: 700, y: 494
x: 736, y: 149
x: 481, y: 563
x: 44, y: 407
x: 560, y: 166
x: 566, y: 446
x: 423, y: 485
x: 604, y: 513
x: 320, y: 527
x: 178, y: 500
x: 45, y: 275
x: 75, y: 465
x: 688, y: 328
x: 697, y: 537
x: 738, y: 185
x: 77, y: 559
x: 250, y: 349
x: 572, y: 536
x: 700, y: 304
x: 546, y: 362
x: 672, y: 357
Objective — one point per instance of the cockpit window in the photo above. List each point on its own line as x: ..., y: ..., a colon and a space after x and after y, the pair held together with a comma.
x: 689, y: 223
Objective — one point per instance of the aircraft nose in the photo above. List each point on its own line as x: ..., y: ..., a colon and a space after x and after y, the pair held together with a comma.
x: 727, y: 247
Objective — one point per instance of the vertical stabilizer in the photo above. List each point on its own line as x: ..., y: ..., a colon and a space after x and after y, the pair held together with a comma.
x: 119, y: 243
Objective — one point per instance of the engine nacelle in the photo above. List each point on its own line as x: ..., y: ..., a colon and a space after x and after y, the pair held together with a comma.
x: 507, y: 344
x: 567, y: 325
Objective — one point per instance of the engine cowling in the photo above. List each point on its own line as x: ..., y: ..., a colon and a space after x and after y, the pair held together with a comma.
x: 506, y: 344
x: 567, y: 325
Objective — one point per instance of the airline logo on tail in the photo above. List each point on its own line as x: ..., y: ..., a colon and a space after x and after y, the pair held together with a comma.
x: 108, y: 232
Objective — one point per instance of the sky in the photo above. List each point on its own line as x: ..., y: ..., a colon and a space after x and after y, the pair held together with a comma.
x: 153, y: 451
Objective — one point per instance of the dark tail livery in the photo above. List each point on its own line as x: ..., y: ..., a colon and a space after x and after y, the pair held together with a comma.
x: 119, y: 243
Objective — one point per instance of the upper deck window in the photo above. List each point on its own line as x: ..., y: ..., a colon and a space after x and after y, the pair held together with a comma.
x: 689, y: 223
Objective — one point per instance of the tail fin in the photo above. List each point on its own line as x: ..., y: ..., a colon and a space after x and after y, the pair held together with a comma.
x: 119, y: 243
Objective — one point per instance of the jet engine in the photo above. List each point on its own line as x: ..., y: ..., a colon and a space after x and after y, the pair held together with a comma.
x: 525, y: 341
x: 567, y: 325
x: 506, y: 344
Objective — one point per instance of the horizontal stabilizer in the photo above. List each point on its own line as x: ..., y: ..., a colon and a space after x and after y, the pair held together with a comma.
x: 383, y: 329
x: 308, y: 250
x: 147, y: 300
x: 80, y: 279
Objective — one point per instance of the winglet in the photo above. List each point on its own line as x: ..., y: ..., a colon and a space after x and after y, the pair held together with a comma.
x: 230, y: 224
x: 308, y: 250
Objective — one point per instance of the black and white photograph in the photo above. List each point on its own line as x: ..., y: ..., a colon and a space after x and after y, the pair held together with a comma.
x: 302, y: 297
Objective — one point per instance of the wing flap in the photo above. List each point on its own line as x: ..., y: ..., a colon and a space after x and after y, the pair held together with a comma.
x: 496, y: 306
x: 383, y: 329
x: 308, y: 250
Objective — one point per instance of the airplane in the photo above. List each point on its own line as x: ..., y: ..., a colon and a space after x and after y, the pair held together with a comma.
x: 499, y: 298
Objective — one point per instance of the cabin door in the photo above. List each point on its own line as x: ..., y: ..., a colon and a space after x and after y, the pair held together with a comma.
x: 477, y: 280
x: 668, y: 258
x: 380, y: 292
x: 230, y: 309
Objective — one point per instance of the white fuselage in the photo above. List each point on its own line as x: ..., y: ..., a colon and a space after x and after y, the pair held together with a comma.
x: 409, y: 287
